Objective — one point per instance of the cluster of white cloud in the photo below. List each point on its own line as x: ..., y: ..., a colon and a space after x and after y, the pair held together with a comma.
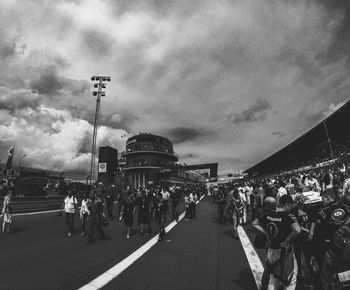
x: 53, y: 139
x: 227, y: 81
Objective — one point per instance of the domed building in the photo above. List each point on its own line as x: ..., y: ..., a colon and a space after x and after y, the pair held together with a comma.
x: 149, y: 159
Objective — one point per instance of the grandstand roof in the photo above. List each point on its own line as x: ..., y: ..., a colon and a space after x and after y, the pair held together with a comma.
x: 337, y: 127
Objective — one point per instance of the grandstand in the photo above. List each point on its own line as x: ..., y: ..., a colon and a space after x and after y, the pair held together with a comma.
x: 325, y: 144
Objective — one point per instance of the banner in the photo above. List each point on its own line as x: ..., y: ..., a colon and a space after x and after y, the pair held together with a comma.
x: 10, y: 156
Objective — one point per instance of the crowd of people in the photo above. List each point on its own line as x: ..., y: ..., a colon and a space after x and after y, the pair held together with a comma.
x: 142, y: 205
x: 302, y: 220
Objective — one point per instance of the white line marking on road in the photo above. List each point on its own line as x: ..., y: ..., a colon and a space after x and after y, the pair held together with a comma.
x: 117, y: 269
x: 253, y: 259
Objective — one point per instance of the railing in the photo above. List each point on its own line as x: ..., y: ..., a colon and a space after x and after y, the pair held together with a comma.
x: 34, y: 204
x: 158, y: 150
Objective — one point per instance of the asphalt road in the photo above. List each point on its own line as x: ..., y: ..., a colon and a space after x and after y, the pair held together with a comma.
x: 196, y: 254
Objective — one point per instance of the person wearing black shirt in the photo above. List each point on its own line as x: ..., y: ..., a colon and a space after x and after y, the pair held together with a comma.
x: 143, y: 213
x: 327, y: 221
x: 109, y: 198
x: 94, y: 219
x: 281, y: 228
x: 161, y: 210
x: 220, y: 200
x: 128, y: 210
x: 233, y: 208
x: 175, y: 200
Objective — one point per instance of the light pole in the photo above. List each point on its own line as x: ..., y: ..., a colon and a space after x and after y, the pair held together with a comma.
x: 19, y: 163
x: 19, y: 160
x: 99, y: 84
x: 329, y: 140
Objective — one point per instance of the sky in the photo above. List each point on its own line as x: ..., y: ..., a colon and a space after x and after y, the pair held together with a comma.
x: 226, y: 81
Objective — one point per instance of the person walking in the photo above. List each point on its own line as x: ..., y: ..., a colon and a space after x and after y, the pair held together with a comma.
x: 94, y: 218
x: 128, y: 210
x: 70, y: 205
x: 175, y: 202
x: 281, y: 229
x: 7, y: 213
x: 109, y: 199
x: 161, y: 210
x: 84, y: 213
x: 143, y: 213
x: 233, y: 209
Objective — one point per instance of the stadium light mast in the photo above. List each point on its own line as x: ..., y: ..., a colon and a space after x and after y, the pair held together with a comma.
x: 20, y: 159
x: 329, y: 141
x: 99, y: 85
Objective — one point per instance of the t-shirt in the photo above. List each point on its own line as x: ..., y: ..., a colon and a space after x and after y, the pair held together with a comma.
x: 165, y: 195
x: 281, y: 191
x: 84, y: 207
x: 248, y: 193
x: 175, y: 197
x: 70, y: 204
x: 143, y: 203
x: 278, y: 226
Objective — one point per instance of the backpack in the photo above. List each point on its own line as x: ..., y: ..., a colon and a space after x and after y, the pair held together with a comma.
x: 336, y: 266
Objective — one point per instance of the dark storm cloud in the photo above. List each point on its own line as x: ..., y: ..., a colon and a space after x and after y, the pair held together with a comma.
x: 279, y: 134
x: 256, y: 112
x: 99, y: 44
x: 48, y: 83
x: 341, y: 41
x: 183, y: 134
x: 7, y: 49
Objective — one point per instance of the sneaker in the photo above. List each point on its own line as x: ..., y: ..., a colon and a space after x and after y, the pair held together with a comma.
x: 128, y: 236
x: 82, y: 234
x: 69, y: 234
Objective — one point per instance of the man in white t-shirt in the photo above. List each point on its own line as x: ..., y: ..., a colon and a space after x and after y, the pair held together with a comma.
x: 244, y: 201
x: 248, y: 192
x: 281, y: 190
x: 70, y: 205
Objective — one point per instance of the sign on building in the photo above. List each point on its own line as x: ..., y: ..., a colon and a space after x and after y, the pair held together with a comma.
x: 102, y: 167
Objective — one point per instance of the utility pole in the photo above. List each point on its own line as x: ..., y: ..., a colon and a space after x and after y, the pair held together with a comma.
x: 100, y: 83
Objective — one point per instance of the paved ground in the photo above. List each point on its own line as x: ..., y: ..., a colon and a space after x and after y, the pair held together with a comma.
x: 196, y: 254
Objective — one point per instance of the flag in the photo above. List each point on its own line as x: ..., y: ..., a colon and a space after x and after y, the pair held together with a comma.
x: 9, y: 158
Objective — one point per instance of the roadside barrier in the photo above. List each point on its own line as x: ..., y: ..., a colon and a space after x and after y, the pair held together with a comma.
x: 34, y: 204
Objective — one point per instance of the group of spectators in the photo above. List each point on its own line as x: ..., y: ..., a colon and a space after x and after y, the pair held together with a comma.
x: 147, y: 204
x: 303, y: 222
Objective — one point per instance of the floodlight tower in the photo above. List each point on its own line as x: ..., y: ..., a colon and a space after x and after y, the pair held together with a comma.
x: 99, y: 84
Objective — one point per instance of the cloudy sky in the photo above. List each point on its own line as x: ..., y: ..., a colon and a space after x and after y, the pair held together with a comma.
x: 226, y: 81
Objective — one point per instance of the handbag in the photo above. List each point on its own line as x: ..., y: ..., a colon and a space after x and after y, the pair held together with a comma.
x: 283, y: 269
